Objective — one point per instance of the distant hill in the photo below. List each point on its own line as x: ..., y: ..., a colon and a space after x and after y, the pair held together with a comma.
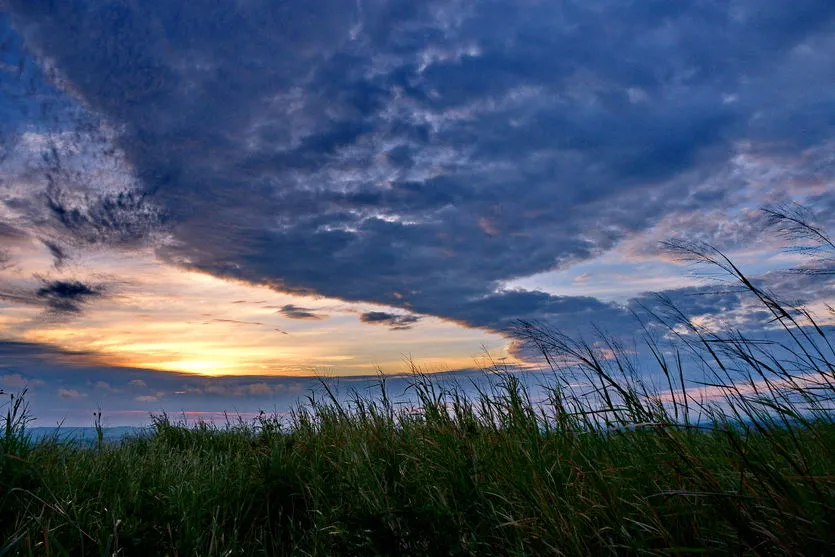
x: 85, y: 434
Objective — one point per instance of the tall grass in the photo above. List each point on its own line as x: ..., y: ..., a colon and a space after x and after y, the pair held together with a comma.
x: 611, y: 462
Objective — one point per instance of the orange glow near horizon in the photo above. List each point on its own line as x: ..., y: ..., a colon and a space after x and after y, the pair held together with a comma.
x: 168, y: 319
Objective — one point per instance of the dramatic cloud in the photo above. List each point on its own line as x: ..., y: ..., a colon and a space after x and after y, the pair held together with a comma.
x: 421, y: 155
x: 395, y: 322
x: 291, y: 311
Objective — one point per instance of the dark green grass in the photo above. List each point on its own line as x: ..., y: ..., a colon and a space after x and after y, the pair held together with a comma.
x: 455, y: 478
x: 608, y: 465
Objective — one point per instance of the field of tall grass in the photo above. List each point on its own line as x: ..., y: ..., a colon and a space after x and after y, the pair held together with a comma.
x: 610, y: 462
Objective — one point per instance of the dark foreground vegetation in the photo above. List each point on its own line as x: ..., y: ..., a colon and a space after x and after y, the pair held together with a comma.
x: 616, y: 460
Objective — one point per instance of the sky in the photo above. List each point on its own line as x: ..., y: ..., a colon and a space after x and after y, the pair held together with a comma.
x: 207, y: 205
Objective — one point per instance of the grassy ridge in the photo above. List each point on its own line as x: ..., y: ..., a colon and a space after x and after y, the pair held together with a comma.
x: 444, y: 481
x: 608, y: 464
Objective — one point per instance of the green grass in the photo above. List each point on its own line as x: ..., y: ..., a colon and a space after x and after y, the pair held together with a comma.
x: 609, y: 464
x: 465, y: 477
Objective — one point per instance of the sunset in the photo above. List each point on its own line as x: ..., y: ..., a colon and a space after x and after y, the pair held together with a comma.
x: 233, y: 208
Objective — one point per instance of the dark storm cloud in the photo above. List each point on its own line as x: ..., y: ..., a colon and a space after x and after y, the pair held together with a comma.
x: 393, y: 321
x: 291, y: 311
x: 419, y: 154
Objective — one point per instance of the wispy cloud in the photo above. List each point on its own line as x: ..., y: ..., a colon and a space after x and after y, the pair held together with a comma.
x: 291, y: 311
x: 237, y: 322
x: 393, y: 321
